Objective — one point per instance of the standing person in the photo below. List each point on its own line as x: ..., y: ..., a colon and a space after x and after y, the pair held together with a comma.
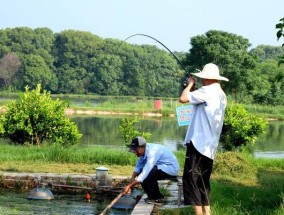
x: 155, y: 162
x: 202, y: 137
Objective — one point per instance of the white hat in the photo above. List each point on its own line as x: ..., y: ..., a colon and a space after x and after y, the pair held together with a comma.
x: 210, y: 71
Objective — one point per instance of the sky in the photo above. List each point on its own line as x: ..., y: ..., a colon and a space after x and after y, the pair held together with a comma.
x: 172, y: 22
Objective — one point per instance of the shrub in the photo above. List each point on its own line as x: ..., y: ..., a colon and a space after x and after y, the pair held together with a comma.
x: 128, y: 131
x: 35, y: 118
x: 240, y: 128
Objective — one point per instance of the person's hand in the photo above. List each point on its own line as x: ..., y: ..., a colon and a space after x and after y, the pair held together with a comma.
x: 191, y: 80
x: 126, y: 189
x: 132, y: 179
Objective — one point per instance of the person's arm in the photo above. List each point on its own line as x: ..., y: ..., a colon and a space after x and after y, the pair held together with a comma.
x: 152, y: 159
x: 134, y: 175
x: 133, y: 182
x: 183, y: 97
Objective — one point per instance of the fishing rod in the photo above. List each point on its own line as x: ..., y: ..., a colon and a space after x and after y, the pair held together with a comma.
x: 145, y: 35
x: 183, y: 67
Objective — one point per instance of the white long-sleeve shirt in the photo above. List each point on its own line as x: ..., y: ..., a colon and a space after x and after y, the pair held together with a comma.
x: 156, y: 154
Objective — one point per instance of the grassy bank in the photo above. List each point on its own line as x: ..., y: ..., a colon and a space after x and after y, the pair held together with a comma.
x: 140, y: 105
x: 241, y: 184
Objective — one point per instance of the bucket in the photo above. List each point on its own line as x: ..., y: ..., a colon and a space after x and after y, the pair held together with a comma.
x: 101, y: 173
x: 158, y: 104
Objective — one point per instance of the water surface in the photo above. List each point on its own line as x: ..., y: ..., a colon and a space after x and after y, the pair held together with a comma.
x: 14, y: 202
x: 104, y: 130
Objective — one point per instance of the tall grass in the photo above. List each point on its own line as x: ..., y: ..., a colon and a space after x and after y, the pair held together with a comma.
x: 75, y: 154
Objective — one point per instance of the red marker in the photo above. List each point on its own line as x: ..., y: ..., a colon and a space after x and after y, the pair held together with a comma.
x: 88, y: 196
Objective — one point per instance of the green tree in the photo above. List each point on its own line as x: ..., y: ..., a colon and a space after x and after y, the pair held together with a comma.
x: 76, y: 48
x: 76, y: 56
x: 80, y: 62
x: 36, y: 71
x: 265, y: 52
x: 33, y: 47
x: 36, y: 119
x: 44, y: 42
x: 162, y: 73
x: 265, y: 83
x: 107, y: 75
x: 229, y: 52
x: 73, y: 80
x: 21, y: 40
x: 279, y: 34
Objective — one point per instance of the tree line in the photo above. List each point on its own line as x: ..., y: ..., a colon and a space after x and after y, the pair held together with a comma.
x: 76, y: 62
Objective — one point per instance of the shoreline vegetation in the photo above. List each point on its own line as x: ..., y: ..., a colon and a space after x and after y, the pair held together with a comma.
x: 71, y: 111
x: 134, y: 105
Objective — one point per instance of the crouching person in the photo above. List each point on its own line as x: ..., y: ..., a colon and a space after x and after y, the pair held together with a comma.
x: 155, y: 162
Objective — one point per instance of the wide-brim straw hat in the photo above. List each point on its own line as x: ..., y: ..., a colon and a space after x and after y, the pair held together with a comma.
x: 210, y: 71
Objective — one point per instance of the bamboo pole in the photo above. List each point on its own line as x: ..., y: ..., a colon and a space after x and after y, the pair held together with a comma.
x: 111, y: 204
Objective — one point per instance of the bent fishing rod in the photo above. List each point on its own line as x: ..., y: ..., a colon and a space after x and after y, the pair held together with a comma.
x: 145, y: 35
x: 182, y: 66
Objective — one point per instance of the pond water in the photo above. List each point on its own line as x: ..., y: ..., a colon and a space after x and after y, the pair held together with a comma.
x: 15, y: 202
x: 104, y: 130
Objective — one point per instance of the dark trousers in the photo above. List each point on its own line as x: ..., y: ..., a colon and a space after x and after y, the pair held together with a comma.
x: 196, y: 176
x: 150, y: 184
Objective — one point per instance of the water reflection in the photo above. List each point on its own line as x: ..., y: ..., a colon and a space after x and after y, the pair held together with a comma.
x: 101, y: 130
x: 268, y: 154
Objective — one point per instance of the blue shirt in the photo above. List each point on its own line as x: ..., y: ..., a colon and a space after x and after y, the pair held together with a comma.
x: 156, y: 154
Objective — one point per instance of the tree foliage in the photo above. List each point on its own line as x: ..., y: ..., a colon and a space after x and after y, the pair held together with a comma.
x: 76, y: 62
x: 80, y: 62
x: 36, y: 119
x: 279, y: 34
x: 240, y: 128
x: 36, y: 71
x: 129, y: 131
x: 266, y: 84
x: 229, y: 52
x: 265, y: 52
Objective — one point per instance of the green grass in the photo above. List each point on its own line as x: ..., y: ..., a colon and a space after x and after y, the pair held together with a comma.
x: 74, y: 154
x: 241, y: 184
x: 266, y: 111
